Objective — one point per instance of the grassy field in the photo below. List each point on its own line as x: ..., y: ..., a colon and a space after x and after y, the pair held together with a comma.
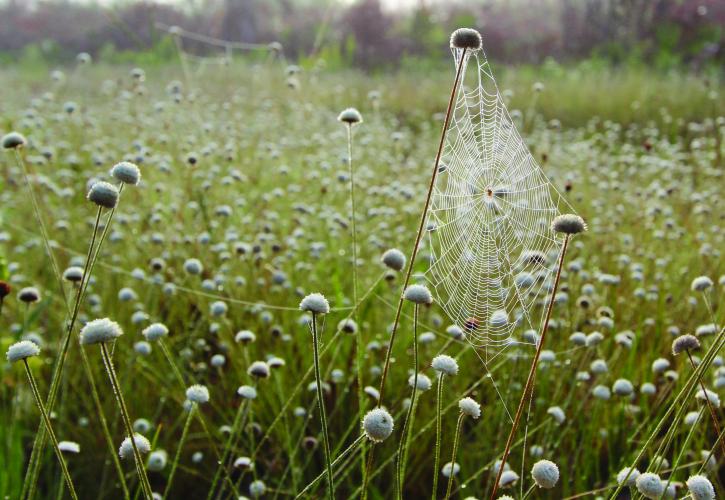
x: 245, y: 169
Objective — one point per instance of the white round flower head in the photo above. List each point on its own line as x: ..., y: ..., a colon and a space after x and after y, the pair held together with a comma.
x: 622, y: 387
x: 630, y: 481
x: 315, y: 303
x: 418, y: 294
x: 103, y: 194
x: 708, y: 395
x: 74, y: 274
x: 347, y: 326
x: 424, y: 382
x: 394, y: 259
x: 198, y: 394
x: 100, y: 330
x: 155, y: 331
x: 378, y: 425
x: 13, y: 140
x: 470, y: 407
x: 700, y: 488
x: 126, y: 449
x: 545, y: 474
x: 193, y: 266
x: 568, y: 224
x: 69, y: 447
x: 557, y: 413
x: 257, y: 488
x: 126, y: 172
x: 351, y: 116
x: 259, y: 369
x: 701, y: 284
x: 650, y: 485
x: 157, y: 460
x: 505, y: 497
x: 245, y: 336
x: 247, y: 392
x: 243, y: 463
x: 22, y: 350
x: 445, y: 364
x: 449, y: 469
x: 684, y: 343
x: 29, y: 294
x: 466, y: 38
x: 508, y: 477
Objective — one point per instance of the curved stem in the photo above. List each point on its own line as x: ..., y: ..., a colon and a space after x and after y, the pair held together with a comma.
x: 177, y: 456
x: 143, y: 478
x: 49, y: 428
x: 456, y: 440
x: 423, y: 215
x: 405, y: 434
x: 715, y: 423
x: 335, y: 462
x: 321, y: 404
x: 439, y: 422
x: 529, y: 387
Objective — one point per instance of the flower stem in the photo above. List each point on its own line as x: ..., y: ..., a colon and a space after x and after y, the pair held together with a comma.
x: 49, y: 428
x: 143, y: 478
x: 437, y: 459
x: 529, y: 387
x: 423, y: 215
x: 715, y: 423
x: 175, y: 463
x: 405, y: 434
x: 456, y: 440
x: 321, y: 404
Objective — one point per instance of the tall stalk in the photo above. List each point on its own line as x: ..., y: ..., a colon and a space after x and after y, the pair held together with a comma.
x: 437, y: 458
x: 528, y: 388
x: 423, y: 215
x: 321, y: 404
x: 456, y: 440
x: 177, y: 456
x: 399, y: 476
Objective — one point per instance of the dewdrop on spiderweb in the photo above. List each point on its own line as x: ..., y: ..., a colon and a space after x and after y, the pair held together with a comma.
x: 545, y: 474
x: 22, y: 350
x: 377, y: 425
x: 126, y: 449
x: 700, y: 488
x: 103, y: 194
x: 99, y: 331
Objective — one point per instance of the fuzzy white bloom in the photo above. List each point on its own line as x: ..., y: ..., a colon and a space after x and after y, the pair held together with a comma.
x: 69, y: 447
x: 568, y: 224
x: 315, y: 303
x: 259, y: 369
x: 103, y: 194
x: 470, y: 407
x: 394, y: 259
x: 622, y: 477
x: 700, y: 488
x: 378, y: 425
x: 126, y: 172
x: 650, y: 485
x: 557, y: 413
x: 197, y: 394
x: 449, y: 469
x: 257, y: 488
x: 423, y: 384
x: 155, y: 331
x: 157, y: 460
x: 418, y: 294
x: 126, y: 449
x: 622, y: 387
x: 701, y: 283
x: 99, y: 331
x: 545, y: 474
x: 508, y: 477
x: 445, y: 364
x: 243, y: 463
x: 247, y: 392
x: 708, y: 395
x: 22, y: 350
x: 351, y: 116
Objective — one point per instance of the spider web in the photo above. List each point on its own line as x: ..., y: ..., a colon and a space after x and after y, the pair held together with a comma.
x: 492, y: 252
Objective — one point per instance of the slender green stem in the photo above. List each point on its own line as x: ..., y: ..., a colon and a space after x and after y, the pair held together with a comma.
x: 402, y: 447
x: 143, y: 478
x: 456, y: 440
x: 49, y: 428
x: 439, y: 422
x: 228, y: 447
x: 715, y: 423
x: 529, y: 387
x: 177, y: 456
x: 31, y: 476
x: 421, y: 226
x: 321, y: 404
x: 336, y: 462
x: 683, y: 448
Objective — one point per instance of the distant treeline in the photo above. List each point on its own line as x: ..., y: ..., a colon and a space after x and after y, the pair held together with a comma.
x: 661, y: 33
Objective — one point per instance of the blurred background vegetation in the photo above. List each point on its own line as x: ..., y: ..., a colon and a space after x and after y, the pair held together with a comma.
x: 377, y: 35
